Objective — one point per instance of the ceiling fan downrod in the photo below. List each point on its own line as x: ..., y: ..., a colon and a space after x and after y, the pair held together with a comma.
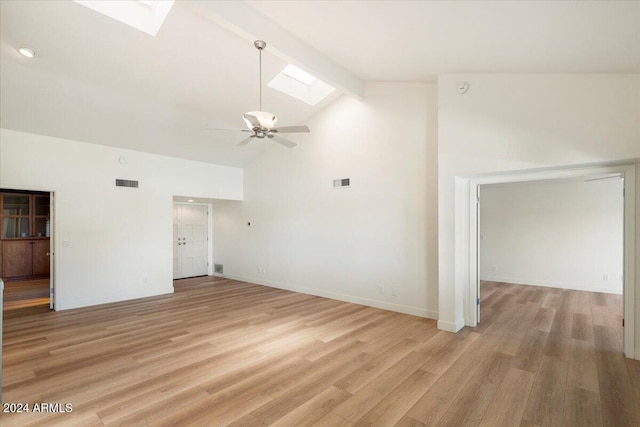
x: 261, y: 124
x: 260, y: 44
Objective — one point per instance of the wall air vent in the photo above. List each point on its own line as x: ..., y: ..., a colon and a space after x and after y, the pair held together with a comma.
x: 217, y: 268
x: 126, y: 183
x: 339, y: 183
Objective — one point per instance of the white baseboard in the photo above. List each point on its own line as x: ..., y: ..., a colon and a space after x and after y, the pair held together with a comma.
x: 108, y: 299
x: 616, y: 288
x: 451, y: 326
x: 415, y: 311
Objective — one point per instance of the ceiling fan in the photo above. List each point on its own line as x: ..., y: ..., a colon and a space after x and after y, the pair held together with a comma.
x: 262, y: 124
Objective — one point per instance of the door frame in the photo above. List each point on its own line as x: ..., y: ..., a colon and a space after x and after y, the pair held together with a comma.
x: 53, y: 250
x: 471, y: 264
x: 209, y: 231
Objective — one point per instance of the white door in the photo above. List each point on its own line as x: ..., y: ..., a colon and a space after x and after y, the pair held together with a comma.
x: 190, y: 246
x: 478, y: 239
x: 49, y: 232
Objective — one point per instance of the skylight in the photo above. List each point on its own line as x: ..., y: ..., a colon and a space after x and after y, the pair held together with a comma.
x: 296, y: 73
x: 301, y: 85
x: 144, y: 15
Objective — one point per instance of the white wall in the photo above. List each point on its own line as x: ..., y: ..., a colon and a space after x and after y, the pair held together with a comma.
x: 559, y: 234
x: 344, y: 243
x: 120, y: 239
x: 508, y: 122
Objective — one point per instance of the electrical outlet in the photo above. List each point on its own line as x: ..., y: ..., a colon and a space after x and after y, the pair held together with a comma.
x: 394, y: 292
x: 494, y: 268
x: 605, y: 277
x: 381, y: 289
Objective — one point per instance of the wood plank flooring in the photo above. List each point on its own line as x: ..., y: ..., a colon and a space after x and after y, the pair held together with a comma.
x: 220, y: 352
x: 30, y: 293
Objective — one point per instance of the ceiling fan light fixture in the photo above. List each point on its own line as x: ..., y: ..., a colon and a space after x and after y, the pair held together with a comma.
x: 267, y: 120
x: 262, y: 124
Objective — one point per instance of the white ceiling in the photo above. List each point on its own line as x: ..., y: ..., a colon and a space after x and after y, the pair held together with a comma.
x: 97, y: 80
x: 417, y: 40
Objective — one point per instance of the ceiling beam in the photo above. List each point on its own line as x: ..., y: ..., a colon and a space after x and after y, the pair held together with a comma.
x: 245, y: 21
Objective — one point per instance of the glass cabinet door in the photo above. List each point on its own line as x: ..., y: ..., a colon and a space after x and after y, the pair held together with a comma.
x: 15, y: 216
x: 41, y: 226
x: 41, y: 205
x: 15, y: 227
x: 15, y: 204
x: 41, y: 216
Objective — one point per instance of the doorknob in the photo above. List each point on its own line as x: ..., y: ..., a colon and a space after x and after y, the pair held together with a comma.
x: 47, y: 253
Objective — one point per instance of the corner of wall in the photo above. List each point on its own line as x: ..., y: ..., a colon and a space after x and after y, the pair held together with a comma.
x: 454, y: 327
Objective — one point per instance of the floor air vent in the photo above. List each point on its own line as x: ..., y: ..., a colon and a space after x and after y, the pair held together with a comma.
x: 217, y: 268
x: 126, y: 183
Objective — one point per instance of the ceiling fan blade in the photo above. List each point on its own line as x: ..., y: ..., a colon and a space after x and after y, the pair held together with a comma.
x: 253, y: 120
x: 246, y: 140
x: 283, y: 141
x: 233, y: 129
x: 291, y: 129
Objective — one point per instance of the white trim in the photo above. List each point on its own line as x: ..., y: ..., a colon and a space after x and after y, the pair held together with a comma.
x: 210, y: 237
x: 53, y: 241
x: 415, y: 311
x: 631, y: 346
x: 110, y: 299
x: 468, y: 266
x: 615, y: 289
x: 53, y: 301
x: 450, y: 326
x: 209, y: 232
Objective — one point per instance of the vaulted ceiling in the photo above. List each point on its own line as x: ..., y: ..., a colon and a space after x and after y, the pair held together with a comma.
x: 97, y: 80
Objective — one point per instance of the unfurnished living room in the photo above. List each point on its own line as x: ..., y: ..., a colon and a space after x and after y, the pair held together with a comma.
x: 320, y: 213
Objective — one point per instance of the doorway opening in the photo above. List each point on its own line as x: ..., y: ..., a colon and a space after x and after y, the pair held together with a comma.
x: 470, y: 266
x: 26, y: 250
x: 190, y: 240
x: 563, y: 234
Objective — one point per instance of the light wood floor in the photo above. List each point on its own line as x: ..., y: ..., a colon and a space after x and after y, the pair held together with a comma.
x: 32, y: 293
x: 220, y: 352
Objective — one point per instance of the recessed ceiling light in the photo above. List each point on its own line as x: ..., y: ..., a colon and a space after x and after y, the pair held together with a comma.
x: 190, y: 200
x: 26, y: 51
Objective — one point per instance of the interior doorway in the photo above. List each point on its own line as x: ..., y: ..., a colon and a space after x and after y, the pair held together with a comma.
x: 26, y: 249
x: 468, y: 213
x: 190, y: 240
x: 559, y: 233
x: 564, y: 234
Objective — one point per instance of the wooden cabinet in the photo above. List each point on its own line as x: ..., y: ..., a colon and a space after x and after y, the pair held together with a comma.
x: 24, y: 234
x: 41, y: 261
x: 17, y: 258
x: 24, y: 258
x: 24, y: 215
